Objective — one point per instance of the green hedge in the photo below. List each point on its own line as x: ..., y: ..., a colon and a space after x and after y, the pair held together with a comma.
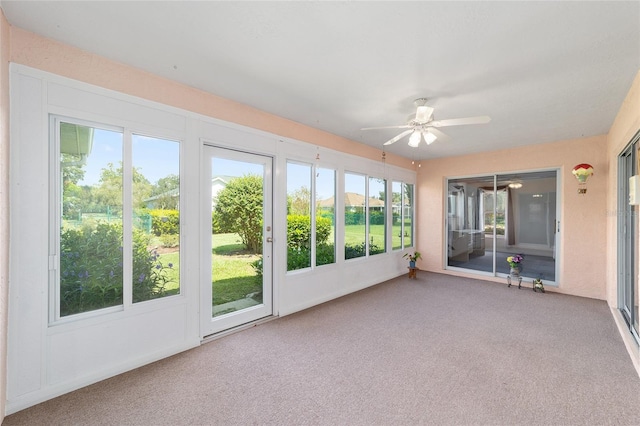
x: 299, y: 231
x: 352, y: 251
x: 354, y: 218
x: 165, y: 222
x: 376, y: 217
x: 299, y: 241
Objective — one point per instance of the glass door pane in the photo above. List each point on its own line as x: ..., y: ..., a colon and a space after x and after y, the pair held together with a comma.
x: 239, y: 211
x: 627, y: 229
x: 466, y: 219
x: 531, y: 225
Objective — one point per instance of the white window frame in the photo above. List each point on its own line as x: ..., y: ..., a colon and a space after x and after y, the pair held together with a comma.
x: 55, y: 221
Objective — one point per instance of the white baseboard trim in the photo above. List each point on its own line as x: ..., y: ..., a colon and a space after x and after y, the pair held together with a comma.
x: 49, y: 392
x: 629, y: 341
x: 335, y: 295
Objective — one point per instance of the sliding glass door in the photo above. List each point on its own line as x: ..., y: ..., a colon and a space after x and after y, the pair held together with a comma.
x: 628, y: 241
x: 495, y: 216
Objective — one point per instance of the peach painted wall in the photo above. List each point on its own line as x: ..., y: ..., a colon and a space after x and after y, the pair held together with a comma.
x: 582, y: 272
x: 45, y: 54
x: 4, y: 204
x: 624, y: 127
x: 582, y: 253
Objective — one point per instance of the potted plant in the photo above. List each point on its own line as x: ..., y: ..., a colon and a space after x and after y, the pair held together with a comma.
x: 412, y: 258
x: 515, y: 262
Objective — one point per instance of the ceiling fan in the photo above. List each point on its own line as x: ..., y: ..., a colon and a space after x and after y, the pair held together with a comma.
x: 421, y: 125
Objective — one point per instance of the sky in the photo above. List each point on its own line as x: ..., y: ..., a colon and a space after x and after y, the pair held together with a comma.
x: 157, y: 158
x: 154, y: 158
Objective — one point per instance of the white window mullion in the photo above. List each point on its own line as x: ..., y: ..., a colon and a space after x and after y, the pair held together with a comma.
x: 495, y: 221
x: 402, y: 214
x: 312, y: 212
x: 54, y: 232
x: 127, y: 222
x: 367, y: 225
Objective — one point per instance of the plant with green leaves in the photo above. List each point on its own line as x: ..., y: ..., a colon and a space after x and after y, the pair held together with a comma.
x: 165, y: 221
x: 238, y: 209
x: 299, y: 241
x: 413, y: 257
x: 91, y: 268
x: 351, y: 251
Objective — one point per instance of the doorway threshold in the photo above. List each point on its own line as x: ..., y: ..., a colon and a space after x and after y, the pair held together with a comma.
x: 223, y: 333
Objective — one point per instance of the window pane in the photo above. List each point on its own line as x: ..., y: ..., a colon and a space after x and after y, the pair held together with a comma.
x: 354, y: 216
x: 91, y: 232
x: 325, y: 216
x: 298, y: 216
x: 396, y: 222
x: 156, y: 218
x: 377, y: 214
x: 407, y: 215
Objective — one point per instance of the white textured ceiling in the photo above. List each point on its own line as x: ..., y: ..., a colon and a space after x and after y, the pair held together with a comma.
x: 543, y: 71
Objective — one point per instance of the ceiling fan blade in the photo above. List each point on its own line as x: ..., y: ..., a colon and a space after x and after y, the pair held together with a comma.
x: 398, y: 137
x: 404, y: 126
x: 437, y: 133
x: 460, y: 121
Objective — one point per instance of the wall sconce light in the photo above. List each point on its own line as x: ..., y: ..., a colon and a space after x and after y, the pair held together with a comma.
x: 582, y: 172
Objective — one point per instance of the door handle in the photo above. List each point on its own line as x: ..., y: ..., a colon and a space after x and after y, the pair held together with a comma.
x: 269, y: 239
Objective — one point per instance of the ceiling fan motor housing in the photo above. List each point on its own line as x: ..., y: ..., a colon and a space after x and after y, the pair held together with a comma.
x: 422, y: 126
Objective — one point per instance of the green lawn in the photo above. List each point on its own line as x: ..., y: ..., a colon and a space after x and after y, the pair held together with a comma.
x: 233, y: 275
x: 354, y: 234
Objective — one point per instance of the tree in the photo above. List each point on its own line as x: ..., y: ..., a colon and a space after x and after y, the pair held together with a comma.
x: 166, y: 190
x: 73, y: 201
x: 109, y: 191
x: 72, y: 169
x: 300, y: 202
x: 239, y: 209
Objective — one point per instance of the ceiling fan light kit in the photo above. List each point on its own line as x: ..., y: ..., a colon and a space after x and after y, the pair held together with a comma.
x: 414, y: 139
x: 429, y: 137
x: 423, y: 126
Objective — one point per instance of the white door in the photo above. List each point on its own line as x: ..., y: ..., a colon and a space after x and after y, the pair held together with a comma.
x: 236, y: 247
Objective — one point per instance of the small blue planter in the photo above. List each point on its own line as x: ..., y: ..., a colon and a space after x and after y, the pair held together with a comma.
x: 412, y: 264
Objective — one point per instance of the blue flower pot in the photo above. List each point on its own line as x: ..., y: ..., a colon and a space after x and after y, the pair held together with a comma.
x: 412, y: 264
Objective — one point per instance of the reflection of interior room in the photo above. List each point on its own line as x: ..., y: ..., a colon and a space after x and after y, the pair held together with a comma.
x: 493, y: 217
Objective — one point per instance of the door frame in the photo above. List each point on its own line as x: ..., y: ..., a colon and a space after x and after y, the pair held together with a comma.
x: 208, y: 324
x: 627, y: 236
x: 462, y: 204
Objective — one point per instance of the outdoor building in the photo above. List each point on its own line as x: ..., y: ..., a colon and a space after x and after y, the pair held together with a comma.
x: 217, y: 184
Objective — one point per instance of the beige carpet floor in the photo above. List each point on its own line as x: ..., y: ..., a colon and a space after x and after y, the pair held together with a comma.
x: 438, y: 350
